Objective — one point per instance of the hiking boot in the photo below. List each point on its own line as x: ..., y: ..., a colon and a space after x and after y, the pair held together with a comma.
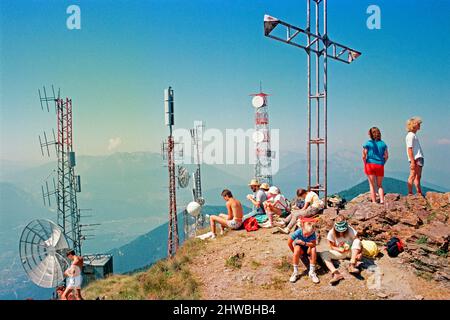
x: 336, y: 278
x: 294, y: 277
x: 314, y: 277
x: 353, y: 269
x: 283, y: 230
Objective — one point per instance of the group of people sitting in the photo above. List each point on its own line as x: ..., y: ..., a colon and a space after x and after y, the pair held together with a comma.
x: 273, y: 210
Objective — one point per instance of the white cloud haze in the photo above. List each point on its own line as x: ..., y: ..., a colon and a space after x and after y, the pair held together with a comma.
x: 114, y: 143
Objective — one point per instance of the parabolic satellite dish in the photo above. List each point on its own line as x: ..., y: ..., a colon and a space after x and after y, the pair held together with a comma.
x: 258, y: 101
x: 194, y: 208
x: 258, y: 136
x: 42, y: 249
x: 201, y: 201
x: 183, y: 177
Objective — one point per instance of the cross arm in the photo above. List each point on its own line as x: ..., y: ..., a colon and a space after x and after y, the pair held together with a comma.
x: 333, y: 49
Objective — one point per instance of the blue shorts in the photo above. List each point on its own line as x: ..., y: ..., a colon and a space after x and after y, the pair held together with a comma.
x: 304, y: 249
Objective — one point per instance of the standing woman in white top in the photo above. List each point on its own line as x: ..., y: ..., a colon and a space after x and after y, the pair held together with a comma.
x: 415, y: 154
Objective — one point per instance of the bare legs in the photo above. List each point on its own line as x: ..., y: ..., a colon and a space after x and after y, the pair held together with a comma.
x: 65, y: 293
x: 417, y: 180
x: 221, y: 219
x: 297, y: 250
x: 414, y: 177
x: 380, y: 189
x: 355, y: 256
x: 374, y: 183
x: 271, y: 210
x: 78, y: 294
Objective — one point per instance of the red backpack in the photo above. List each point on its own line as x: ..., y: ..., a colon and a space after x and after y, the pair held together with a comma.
x: 251, y: 224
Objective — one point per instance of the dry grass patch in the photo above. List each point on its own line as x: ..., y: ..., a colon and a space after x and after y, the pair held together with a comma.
x: 167, y: 279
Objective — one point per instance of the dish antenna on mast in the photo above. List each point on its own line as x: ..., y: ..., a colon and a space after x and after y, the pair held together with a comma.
x: 42, y: 250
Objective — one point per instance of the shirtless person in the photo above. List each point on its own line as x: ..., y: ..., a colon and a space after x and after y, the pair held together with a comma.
x: 73, y: 274
x: 233, y: 219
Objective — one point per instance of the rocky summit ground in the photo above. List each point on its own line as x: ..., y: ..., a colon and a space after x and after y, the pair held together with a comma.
x: 257, y: 265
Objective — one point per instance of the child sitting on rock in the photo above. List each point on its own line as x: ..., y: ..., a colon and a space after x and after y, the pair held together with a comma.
x: 303, y: 243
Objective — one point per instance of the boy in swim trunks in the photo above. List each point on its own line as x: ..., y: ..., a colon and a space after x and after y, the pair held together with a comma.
x: 233, y: 219
x: 74, y: 278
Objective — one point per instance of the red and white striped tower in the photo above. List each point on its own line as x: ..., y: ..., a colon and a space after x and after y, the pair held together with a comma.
x: 261, y: 138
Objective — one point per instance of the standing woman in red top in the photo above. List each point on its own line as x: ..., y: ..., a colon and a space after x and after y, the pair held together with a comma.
x: 375, y: 155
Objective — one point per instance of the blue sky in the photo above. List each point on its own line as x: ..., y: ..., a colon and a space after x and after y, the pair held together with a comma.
x: 214, y: 53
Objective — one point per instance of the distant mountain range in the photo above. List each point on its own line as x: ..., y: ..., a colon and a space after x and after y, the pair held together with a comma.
x: 128, y: 195
x: 17, y: 209
x: 152, y: 246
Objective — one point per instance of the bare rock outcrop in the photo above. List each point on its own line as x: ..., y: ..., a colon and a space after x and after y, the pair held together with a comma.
x: 422, y: 223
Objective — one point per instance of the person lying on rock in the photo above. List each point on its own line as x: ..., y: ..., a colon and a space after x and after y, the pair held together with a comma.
x: 313, y: 205
x: 232, y: 220
x: 344, y: 243
x: 303, y: 243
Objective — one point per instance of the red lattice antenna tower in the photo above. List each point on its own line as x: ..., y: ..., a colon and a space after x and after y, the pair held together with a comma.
x: 261, y: 138
x: 68, y: 184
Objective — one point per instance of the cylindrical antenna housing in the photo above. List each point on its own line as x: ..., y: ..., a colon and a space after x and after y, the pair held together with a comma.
x: 71, y: 159
x: 168, y: 106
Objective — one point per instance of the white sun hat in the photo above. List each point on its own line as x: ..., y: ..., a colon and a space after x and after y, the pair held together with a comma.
x: 274, y: 190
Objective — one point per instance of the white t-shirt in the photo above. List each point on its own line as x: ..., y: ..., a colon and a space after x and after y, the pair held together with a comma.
x: 413, y: 142
x: 313, y: 199
x: 350, y: 236
x: 280, y: 201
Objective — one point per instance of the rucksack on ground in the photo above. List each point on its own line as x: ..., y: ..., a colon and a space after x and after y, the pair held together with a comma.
x: 336, y: 201
x: 251, y: 224
x: 369, y: 248
x: 394, y: 247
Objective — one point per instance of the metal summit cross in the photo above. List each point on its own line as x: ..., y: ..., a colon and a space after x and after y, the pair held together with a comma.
x: 317, y: 44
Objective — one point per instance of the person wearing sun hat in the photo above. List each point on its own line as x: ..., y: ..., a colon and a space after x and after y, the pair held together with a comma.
x: 344, y: 243
x: 258, y: 197
x: 275, y: 204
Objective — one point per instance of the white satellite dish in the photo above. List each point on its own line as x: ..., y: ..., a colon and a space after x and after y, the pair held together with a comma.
x: 201, y: 201
x: 194, y: 208
x: 183, y: 177
x: 258, y: 101
x: 258, y: 136
x: 42, y: 250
